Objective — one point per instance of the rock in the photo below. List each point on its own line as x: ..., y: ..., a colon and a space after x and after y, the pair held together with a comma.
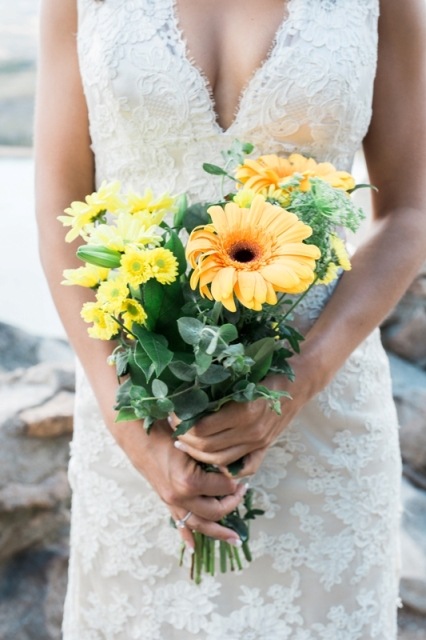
x: 20, y: 349
x: 404, y: 330
x: 413, y: 548
x: 53, y: 418
x: 32, y: 591
x: 409, y: 390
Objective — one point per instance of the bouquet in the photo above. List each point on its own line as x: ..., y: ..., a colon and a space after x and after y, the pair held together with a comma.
x: 199, y: 299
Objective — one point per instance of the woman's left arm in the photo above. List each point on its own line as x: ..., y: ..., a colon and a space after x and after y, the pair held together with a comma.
x: 384, y: 264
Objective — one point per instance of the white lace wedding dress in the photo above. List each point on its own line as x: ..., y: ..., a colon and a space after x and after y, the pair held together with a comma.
x: 326, y: 551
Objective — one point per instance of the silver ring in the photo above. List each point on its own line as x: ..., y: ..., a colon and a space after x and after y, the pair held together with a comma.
x: 181, y: 524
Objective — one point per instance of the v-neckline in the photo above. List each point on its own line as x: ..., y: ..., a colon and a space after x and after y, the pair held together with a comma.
x: 202, y: 77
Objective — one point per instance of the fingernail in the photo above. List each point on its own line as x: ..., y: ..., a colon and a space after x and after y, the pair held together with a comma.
x: 243, y: 488
x: 236, y: 542
x: 179, y: 445
x: 190, y: 549
x: 170, y: 420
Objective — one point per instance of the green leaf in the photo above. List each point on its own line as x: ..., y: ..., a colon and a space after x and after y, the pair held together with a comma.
x: 126, y: 414
x: 190, y: 329
x: 228, y: 333
x: 159, y: 389
x: 213, y: 169
x: 99, y: 256
x: 165, y: 405
x: 262, y: 352
x: 162, y: 303
x: 154, y: 347
x: 123, y: 394
x: 190, y: 403
x: 234, y: 522
x: 182, y: 205
x: 195, y: 216
x: 121, y: 362
x: 235, y: 467
x: 175, y: 245
x: 214, y: 374
x: 143, y: 362
x: 183, y: 371
x: 203, y: 362
x: 185, y: 426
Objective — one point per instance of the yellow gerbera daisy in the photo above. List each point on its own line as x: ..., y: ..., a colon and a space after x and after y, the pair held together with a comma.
x: 88, y: 276
x: 81, y: 214
x: 252, y: 253
x: 104, y: 326
x: 164, y: 265
x: 135, y: 266
x: 259, y: 174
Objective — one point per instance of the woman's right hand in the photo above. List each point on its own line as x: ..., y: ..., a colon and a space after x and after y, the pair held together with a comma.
x: 180, y: 482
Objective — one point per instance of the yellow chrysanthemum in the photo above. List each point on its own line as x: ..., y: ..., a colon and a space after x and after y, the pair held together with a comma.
x: 330, y: 275
x: 132, y: 311
x: 128, y: 229
x: 153, y: 209
x: 104, y: 326
x: 82, y: 214
x: 112, y: 293
x: 135, y: 266
x: 259, y: 174
x: 164, y: 265
x: 88, y: 276
x: 339, y: 249
x: 244, y: 197
x: 252, y: 254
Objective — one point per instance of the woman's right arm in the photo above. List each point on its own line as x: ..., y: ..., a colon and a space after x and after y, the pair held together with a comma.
x: 65, y: 172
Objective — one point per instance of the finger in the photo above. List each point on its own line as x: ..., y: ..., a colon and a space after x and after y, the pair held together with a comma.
x: 219, y: 458
x: 214, y: 509
x: 252, y: 463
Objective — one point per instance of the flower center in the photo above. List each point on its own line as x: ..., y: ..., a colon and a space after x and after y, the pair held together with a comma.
x: 244, y: 252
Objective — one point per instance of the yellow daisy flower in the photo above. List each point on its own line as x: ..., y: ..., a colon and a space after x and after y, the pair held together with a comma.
x: 153, y: 208
x: 112, y: 293
x: 164, y: 265
x: 339, y: 249
x: 330, y: 275
x: 244, y: 197
x: 132, y: 311
x: 104, y: 326
x: 135, y: 266
x: 252, y: 254
x: 129, y: 229
x: 88, y: 276
x: 82, y: 214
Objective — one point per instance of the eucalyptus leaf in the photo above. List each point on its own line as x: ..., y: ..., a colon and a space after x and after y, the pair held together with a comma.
x: 228, y: 333
x: 183, y: 371
x: 214, y: 374
x: 190, y: 329
x: 213, y: 169
x: 123, y: 394
x: 190, y: 403
x: 121, y: 362
x: 203, y: 362
x: 159, y: 388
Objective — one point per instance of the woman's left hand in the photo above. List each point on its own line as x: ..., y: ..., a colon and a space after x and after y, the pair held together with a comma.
x: 240, y: 430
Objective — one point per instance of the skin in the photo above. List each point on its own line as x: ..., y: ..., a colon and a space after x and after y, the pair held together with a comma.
x: 228, y: 41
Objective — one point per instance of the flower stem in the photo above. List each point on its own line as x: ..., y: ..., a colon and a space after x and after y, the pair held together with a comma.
x: 295, y: 304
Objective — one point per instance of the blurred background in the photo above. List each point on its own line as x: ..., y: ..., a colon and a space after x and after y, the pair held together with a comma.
x: 37, y: 383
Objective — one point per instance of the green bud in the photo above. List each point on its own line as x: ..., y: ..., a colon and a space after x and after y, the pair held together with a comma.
x: 99, y: 256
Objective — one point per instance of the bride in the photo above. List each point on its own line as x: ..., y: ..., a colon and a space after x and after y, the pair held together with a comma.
x: 145, y: 91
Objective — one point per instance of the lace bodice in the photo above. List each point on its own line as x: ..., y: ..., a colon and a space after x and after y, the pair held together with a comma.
x: 152, y: 117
